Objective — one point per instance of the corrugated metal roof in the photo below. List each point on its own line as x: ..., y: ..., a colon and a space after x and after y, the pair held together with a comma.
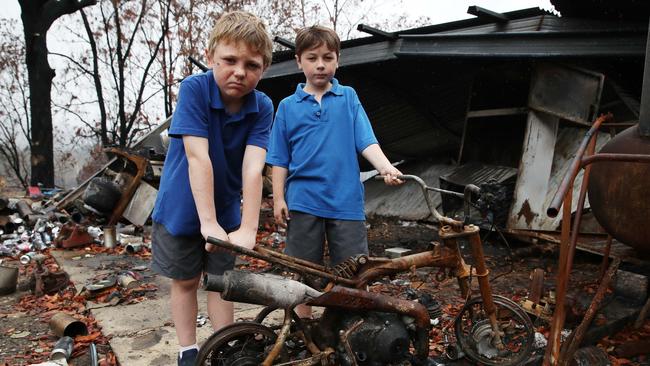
x: 533, y: 33
x: 288, y: 55
x: 413, y: 123
x: 476, y: 173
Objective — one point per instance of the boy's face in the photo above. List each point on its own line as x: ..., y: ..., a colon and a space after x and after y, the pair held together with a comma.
x: 319, y: 65
x: 237, y: 69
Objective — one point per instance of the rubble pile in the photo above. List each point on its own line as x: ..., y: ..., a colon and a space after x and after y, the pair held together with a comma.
x: 29, y: 231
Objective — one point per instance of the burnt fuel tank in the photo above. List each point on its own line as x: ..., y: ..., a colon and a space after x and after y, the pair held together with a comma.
x: 619, y: 192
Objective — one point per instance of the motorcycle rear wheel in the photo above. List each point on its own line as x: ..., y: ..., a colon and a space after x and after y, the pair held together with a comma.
x: 239, y: 344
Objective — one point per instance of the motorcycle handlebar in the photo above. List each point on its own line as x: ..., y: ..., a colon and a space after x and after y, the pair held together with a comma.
x: 466, y: 196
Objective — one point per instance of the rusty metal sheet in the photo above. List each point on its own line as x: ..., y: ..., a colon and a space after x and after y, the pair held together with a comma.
x: 557, y: 92
x: 527, y: 210
x: 566, y: 92
x: 567, y: 141
x: 141, y: 204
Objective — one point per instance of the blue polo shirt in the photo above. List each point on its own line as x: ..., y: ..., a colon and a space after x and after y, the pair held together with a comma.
x: 319, y: 144
x: 200, y: 112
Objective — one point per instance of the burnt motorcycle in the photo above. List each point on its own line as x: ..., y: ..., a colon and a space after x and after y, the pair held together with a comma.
x: 358, y: 327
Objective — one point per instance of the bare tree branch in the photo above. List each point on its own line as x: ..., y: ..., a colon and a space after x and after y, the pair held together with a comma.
x: 79, y: 65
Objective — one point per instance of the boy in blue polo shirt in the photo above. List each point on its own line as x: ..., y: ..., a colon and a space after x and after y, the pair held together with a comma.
x: 219, y: 133
x: 316, y: 137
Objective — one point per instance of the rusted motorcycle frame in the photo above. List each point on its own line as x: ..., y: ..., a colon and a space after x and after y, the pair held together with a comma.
x: 346, y: 283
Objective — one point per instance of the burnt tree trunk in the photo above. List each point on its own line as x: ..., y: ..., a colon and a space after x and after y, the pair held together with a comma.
x: 37, y: 17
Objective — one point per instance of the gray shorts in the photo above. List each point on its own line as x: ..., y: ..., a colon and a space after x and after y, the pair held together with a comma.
x: 185, y: 257
x: 306, y: 236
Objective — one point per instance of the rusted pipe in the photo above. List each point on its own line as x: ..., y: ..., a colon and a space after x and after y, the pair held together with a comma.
x: 574, y: 168
x: 623, y: 158
x: 578, y: 334
x: 461, y: 270
x: 279, y: 342
x: 63, y: 324
x: 581, y: 204
x: 360, y: 300
x: 552, y: 354
x: 443, y: 258
x: 283, y: 262
x: 302, y: 262
x: 484, y: 283
x: 344, y: 335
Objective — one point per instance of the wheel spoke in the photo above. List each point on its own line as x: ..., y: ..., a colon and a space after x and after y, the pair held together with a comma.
x: 475, y: 335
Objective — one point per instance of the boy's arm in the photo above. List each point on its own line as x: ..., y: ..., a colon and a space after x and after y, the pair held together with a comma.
x: 280, y: 209
x: 202, y: 185
x: 252, y: 168
x: 376, y: 157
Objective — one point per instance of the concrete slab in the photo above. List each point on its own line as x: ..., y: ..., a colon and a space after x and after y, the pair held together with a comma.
x: 142, y: 333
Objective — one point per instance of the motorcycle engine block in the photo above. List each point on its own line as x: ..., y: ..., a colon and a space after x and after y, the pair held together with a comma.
x: 374, y: 338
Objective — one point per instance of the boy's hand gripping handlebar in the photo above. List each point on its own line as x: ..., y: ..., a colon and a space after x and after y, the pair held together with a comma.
x: 443, y: 220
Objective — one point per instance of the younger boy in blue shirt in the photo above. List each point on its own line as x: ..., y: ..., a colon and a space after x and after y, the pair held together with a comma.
x: 317, y: 134
x: 219, y: 133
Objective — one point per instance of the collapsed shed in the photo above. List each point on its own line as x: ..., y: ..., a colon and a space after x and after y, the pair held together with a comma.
x: 500, y: 100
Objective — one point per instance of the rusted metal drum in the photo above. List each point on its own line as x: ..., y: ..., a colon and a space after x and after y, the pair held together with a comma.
x: 619, y: 193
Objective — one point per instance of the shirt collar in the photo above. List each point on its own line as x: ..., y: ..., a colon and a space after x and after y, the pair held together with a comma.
x: 302, y: 94
x: 250, y: 100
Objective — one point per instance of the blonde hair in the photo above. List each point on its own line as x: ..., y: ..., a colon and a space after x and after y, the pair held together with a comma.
x: 242, y: 26
x: 314, y: 36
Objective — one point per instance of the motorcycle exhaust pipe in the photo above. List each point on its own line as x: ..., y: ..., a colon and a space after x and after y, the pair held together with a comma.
x: 259, y: 289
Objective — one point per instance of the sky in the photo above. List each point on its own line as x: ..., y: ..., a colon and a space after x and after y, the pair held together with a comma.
x: 439, y: 11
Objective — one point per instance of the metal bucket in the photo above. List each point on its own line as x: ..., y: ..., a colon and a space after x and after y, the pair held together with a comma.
x: 8, y: 279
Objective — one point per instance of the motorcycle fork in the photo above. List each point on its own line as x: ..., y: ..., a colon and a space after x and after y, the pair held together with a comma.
x: 449, y: 236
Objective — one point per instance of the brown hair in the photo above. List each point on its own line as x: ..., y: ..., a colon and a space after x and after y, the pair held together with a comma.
x: 315, y: 36
x: 242, y: 26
